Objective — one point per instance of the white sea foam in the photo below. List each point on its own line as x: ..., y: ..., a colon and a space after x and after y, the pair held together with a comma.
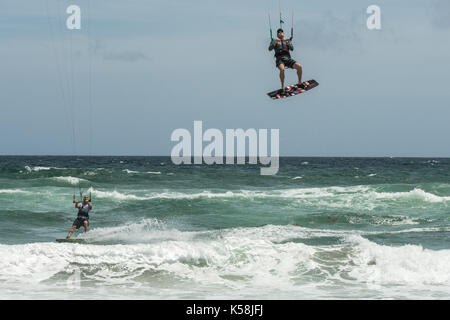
x: 432, y: 162
x: 416, y: 193
x: 40, y: 168
x: 130, y: 171
x: 37, y: 168
x: 404, y: 265
x: 116, y: 195
x: 70, y: 180
x: 219, y: 262
x: 419, y: 230
x: 136, y: 172
x: 144, y: 231
x: 396, y: 221
x: 149, y: 230
x: 353, y: 197
x: 242, y: 262
x: 12, y: 191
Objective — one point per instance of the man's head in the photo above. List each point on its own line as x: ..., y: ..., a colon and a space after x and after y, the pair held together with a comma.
x: 280, y: 33
x: 86, y: 199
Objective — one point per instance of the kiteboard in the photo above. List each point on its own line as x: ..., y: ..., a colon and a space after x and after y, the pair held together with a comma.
x: 71, y: 240
x: 293, y: 90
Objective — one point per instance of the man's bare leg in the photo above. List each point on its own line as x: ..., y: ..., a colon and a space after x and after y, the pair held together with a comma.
x: 281, y: 67
x: 70, y: 232
x: 298, y: 67
x: 86, y: 225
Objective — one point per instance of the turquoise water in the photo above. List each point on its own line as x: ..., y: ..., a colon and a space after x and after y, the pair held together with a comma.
x: 322, y: 228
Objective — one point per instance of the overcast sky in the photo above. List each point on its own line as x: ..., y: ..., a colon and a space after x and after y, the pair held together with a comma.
x: 159, y: 65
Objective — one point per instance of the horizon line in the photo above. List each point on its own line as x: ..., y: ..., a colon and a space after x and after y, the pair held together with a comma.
x: 168, y: 156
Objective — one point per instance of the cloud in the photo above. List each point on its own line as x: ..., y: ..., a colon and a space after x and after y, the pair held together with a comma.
x: 118, y: 49
x: 440, y: 13
x: 128, y: 56
x: 329, y: 32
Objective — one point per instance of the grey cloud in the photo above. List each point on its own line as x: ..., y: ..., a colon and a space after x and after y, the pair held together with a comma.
x: 329, y: 31
x: 440, y: 13
x: 129, y: 56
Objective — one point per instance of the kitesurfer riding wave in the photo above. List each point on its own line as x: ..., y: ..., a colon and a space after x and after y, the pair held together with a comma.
x: 83, y: 215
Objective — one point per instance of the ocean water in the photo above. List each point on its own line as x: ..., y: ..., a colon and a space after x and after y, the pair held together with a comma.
x: 322, y: 228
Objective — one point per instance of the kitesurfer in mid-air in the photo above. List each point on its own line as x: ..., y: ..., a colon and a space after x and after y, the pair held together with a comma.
x: 83, y: 215
x: 283, y: 58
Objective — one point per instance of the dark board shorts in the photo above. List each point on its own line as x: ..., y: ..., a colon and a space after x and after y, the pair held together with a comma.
x: 79, y: 222
x: 287, y: 61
